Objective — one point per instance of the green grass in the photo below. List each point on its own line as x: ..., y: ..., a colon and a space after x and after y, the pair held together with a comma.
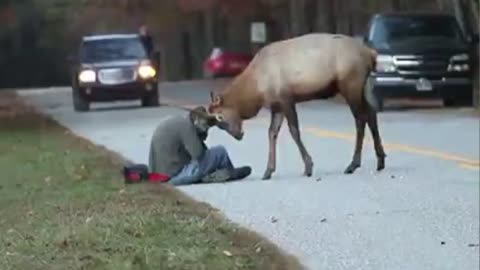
x: 63, y: 205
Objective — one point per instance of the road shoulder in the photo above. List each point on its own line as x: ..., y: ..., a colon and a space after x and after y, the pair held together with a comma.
x: 72, y: 216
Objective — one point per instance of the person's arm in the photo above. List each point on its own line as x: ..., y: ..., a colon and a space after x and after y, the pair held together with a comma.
x: 193, y: 144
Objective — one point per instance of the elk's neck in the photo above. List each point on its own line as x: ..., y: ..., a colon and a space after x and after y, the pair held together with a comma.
x: 242, y: 95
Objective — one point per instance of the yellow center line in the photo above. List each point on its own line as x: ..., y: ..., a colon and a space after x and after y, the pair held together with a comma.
x: 464, y: 162
x: 470, y: 166
x: 400, y: 147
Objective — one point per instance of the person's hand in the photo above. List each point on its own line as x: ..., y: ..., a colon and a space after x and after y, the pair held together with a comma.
x: 203, y: 135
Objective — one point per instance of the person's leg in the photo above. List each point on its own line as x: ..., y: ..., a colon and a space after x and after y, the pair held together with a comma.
x: 188, y: 175
x: 215, y: 158
x: 216, y: 166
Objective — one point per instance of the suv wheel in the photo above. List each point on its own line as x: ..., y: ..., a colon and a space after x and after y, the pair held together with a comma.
x: 457, y: 102
x: 151, y: 100
x: 79, y: 103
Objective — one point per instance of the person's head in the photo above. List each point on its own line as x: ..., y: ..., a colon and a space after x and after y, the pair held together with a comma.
x: 143, y: 30
x: 201, y: 119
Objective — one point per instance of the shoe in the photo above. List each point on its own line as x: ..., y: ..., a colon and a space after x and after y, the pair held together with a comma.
x: 240, y: 173
x: 218, y: 176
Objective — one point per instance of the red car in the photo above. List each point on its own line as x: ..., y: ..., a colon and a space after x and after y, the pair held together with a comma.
x: 225, y: 64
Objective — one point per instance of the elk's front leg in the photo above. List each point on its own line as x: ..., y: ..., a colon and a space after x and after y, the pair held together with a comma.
x: 292, y: 119
x: 276, y: 120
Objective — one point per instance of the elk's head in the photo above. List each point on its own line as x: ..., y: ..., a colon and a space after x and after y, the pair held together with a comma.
x: 228, y: 118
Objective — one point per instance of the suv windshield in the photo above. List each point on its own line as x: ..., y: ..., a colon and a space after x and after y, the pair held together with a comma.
x: 396, y: 28
x: 112, y: 49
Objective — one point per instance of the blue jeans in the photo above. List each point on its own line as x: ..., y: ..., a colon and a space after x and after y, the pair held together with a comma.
x: 215, y: 158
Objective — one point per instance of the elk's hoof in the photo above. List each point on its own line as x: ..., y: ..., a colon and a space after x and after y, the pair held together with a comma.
x: 308, y: 169
x: 380, y: 164
x: 351, y: 168
x: 267, y: 175
x: 308, y: 173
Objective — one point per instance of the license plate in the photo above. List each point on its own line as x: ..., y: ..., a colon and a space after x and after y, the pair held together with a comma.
x: 112, y: 75
x: 424, y: 85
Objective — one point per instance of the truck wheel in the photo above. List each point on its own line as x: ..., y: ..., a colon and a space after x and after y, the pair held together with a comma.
x: 457, y: 102
x: 208, y: 75
x: 79, y: 103
x: 381, y: 103
x: 151, y: 100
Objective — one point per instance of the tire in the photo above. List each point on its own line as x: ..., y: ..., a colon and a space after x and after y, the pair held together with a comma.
x: 381, y: 107
x: 80, y: 104
x: 457, y: 101
x: 151, y: 100
x: 208, y: 75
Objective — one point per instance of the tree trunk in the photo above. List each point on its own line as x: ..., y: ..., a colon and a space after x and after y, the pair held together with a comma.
x: 297, y: 17
x: 325, y: 16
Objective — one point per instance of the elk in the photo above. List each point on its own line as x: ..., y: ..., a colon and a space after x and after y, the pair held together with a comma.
x: 309, y: 67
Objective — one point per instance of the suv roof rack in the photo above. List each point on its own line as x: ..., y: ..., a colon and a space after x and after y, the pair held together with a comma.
x: 108, y: 36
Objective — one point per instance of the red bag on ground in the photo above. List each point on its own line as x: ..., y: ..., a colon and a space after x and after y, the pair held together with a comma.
x: 158, y: 177
x: 137, y: 173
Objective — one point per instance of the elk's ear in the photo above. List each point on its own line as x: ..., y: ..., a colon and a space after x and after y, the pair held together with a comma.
x: 211, y: 108
x: 215, y: 99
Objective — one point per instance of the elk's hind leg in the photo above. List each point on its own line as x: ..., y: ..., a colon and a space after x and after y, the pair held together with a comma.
x: 360, y: 121
x: 292, y: 119
x: 377, y: 141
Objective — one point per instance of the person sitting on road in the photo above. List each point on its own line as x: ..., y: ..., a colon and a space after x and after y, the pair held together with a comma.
x: 178, y: 149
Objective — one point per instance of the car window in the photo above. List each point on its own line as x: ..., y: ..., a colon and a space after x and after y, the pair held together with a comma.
x: 112, y: 49
x: 400, y: 28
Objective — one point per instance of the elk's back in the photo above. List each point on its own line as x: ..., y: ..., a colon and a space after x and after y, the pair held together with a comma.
x: 308, y: 64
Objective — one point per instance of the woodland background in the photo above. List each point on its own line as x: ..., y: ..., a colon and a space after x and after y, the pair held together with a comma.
x: 36, y: 36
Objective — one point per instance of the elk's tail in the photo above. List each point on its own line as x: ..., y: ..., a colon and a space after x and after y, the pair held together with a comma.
x: 368, y: 90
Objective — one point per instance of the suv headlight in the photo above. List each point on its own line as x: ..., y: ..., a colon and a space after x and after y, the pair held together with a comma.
x: 146, y: 72
x: 460, y: 57
x: 87, y: 76
x: 385, y: 64
x: 459, y: 62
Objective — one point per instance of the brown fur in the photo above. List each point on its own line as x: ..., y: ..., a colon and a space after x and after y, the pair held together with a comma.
x: 347, y: 76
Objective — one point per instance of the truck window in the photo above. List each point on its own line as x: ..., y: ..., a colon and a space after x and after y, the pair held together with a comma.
x: 396, y: 28
x: 112, y: 49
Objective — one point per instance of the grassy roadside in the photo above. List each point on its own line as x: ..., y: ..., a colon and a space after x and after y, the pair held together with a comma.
x: 63, y: 205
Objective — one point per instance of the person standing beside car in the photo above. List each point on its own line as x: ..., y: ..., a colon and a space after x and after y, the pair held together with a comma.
x: 147, y: 39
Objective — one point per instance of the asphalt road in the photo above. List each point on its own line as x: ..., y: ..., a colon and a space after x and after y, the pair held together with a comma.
x: 421, y: 212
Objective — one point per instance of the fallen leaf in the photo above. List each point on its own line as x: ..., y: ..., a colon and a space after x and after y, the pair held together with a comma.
x: 319, y: 179
x: 473, y: 245
x: 258, y: 250
x: 323, y: 220
x: 88, y: 220
x: 48, y: 179
x: 121, y: 191
x: 227, y: 253
x: 273, y: 219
